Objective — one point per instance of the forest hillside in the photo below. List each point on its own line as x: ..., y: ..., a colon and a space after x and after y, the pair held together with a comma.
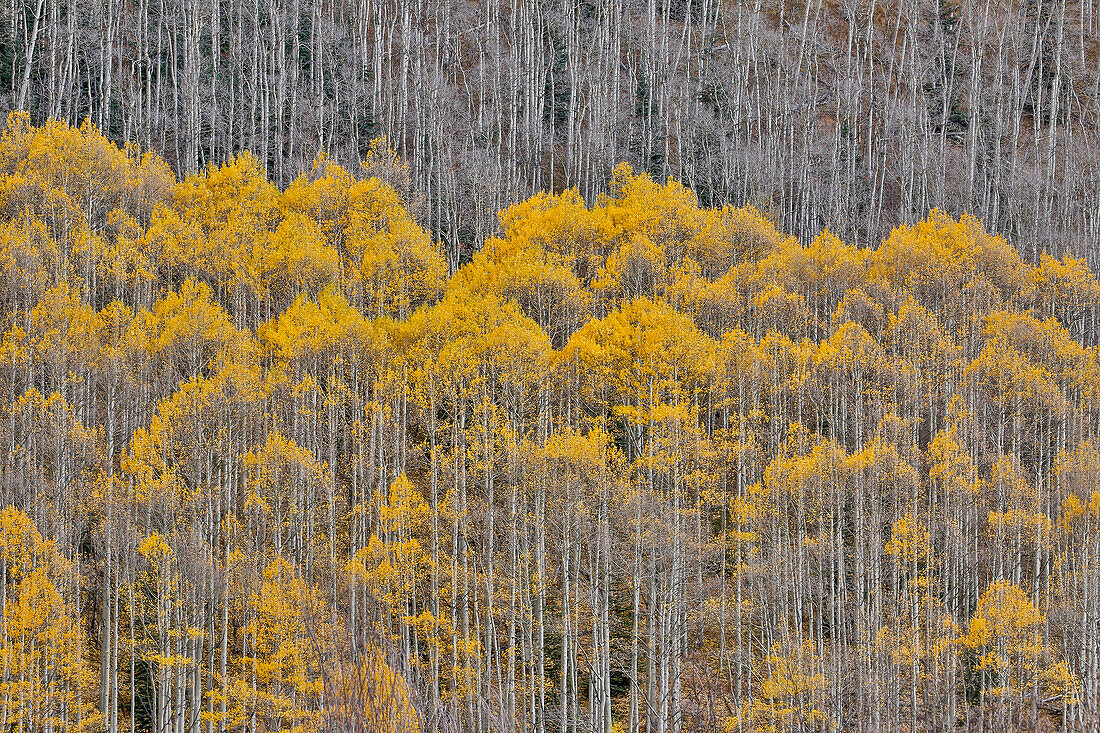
x: 856, y: 115
x: 639, y: 465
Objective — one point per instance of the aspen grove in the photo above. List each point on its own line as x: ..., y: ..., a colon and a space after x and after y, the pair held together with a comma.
x: 270, y: 461
x: 856, y: 115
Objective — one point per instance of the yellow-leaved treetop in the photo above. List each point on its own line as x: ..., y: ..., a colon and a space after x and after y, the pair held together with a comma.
x: 1005, y: 633
x: 47, y: 682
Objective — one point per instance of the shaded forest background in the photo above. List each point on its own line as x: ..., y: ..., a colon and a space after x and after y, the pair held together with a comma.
x: 851, y: 114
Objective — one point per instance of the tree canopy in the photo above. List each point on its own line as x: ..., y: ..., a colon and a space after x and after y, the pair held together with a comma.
x: 270, y: 462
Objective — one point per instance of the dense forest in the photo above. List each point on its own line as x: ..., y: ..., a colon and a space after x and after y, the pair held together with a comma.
x: 639, y: 465
x: 855, y: 115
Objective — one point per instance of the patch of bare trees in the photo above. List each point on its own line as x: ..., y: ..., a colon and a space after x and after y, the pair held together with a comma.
x: 851, y: 114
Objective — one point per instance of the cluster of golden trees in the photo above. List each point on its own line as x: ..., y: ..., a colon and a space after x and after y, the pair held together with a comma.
x: 637, y: 466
